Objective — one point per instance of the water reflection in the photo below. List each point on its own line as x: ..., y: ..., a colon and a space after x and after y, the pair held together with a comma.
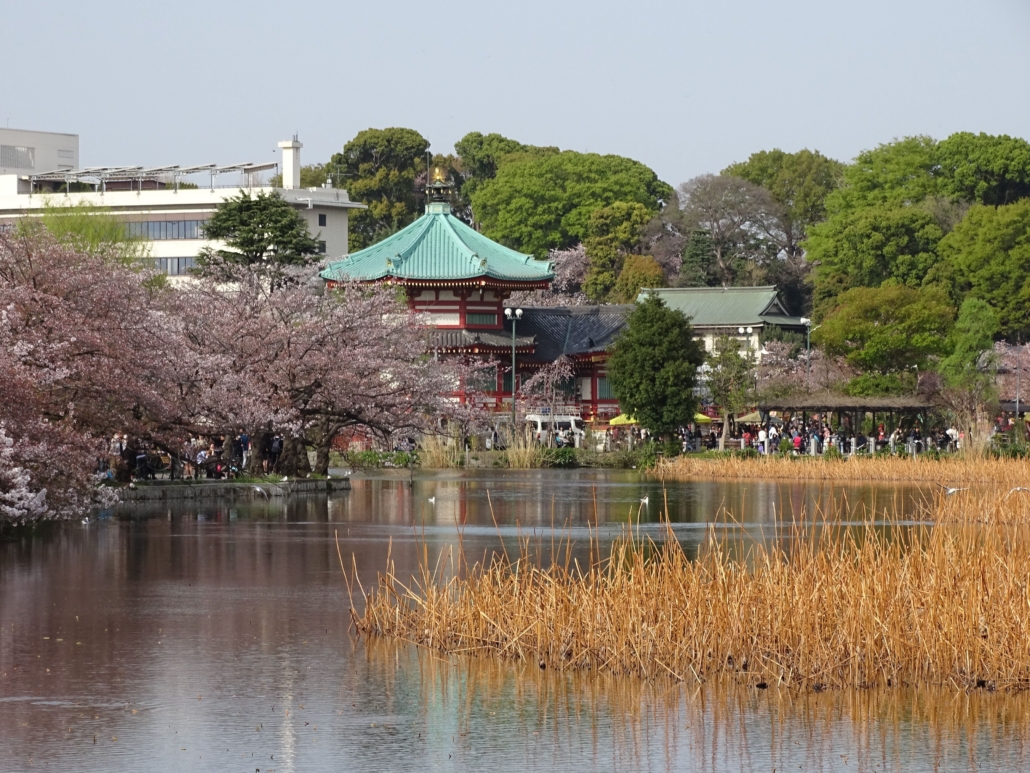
x: 215, y: 637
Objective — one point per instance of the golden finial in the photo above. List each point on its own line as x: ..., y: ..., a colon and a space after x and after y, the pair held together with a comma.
x: 438, y: 175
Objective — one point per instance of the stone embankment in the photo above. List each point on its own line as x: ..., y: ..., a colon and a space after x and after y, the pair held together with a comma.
x: 159, y: 491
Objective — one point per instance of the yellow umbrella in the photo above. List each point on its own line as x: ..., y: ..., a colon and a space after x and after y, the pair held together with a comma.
x: 621, y: 419
x: 700, y: 418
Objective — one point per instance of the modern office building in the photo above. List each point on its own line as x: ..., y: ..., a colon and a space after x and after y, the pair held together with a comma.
x: 168, y: 205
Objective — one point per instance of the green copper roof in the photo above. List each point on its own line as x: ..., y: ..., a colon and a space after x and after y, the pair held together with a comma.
x: 726, y: 306
x: 438, y: 246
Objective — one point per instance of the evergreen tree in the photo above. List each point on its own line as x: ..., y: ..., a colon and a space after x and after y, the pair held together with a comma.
x: 653, y: 367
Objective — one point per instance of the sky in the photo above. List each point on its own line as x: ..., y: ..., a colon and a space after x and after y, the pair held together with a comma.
x: 684, y: 86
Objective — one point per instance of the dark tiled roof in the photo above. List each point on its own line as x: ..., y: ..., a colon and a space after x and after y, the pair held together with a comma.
x: 571, y: 330
x: 469, y: 339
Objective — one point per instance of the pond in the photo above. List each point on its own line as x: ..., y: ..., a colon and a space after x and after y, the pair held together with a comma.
x: 216, y: 638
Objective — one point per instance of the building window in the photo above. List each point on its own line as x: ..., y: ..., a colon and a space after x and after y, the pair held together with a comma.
x: 174, y: 266
x: 480, y: 319
x: 321, y: 220
x: 604, y: 389
x: 506, y: 382
x: 17, y: 157
x: 321, y: 247
x: 163, y: 230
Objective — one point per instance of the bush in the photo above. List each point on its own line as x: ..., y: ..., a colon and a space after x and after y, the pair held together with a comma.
x: 559, y: 457
x: 364, y: 460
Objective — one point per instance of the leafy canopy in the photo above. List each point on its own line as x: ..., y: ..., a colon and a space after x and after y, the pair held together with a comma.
x: 653, y: 367
x: 972, y: 340
x: 731, y: 378
x: 91, y: 229
x: 870, y: 246
x: 638, y: 272
x: 537, y: 203
x: 613, y: 231
x: 987, y: 256
x: 482, y: 154
x: 263, y: 232
x: 380, y: 167
x: 888, y: 330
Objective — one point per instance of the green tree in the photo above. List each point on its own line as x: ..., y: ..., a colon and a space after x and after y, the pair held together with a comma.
x: 987, y: 256
x: 653, y: 367
x: 697, y: 269
x: 898, y: 173
x: 613, y: 231
x: 262, y: 231
x: 482, y: 154
x: 539, y: 203
x: 798, y: 182
x: 982, y: 168
x: 969, y: 371
x: 379, y: 168
x: 886, y: 332
x: 870, y: 246
x: 638, y: 271
x: 92, y: 229
x: 731, y: 381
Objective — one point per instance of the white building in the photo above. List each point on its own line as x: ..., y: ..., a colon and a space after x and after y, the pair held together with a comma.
x: 157, y: 204
x: 25, y: 152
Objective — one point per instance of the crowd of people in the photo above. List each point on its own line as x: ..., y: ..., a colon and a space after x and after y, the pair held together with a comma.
x: 210, y: 457
x: 817, y: 436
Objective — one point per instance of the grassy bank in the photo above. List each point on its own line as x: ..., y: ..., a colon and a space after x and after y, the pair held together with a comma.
x: 898, y: 469
x: 822, y: 607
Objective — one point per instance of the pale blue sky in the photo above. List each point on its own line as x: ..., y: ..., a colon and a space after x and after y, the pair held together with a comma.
x: 686, y: 87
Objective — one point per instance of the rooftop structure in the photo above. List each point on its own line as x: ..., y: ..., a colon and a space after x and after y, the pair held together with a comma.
x: 29, y: 152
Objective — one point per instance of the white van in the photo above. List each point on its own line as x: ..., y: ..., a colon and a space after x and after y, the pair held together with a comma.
x: 540, y: 424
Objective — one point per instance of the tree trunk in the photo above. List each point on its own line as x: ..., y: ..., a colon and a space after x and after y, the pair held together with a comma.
x: 324, y: 434
x: 725, y: 430
x: 293, y: 461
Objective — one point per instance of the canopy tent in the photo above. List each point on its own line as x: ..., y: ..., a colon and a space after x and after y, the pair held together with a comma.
x: 700, y: 418
x: 621, y: 420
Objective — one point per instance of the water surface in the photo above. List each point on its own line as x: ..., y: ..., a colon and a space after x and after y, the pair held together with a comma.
x: 215, y: 637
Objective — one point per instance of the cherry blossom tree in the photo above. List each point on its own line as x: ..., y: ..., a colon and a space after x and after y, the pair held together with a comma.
x: 83, y: 355
x: 548, y: 389
x: 305, y: 362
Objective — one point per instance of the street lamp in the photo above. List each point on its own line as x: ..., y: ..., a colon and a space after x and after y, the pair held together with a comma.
x: 514, y: 316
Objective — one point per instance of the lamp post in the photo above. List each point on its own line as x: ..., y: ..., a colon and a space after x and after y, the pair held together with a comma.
x: 514, y: 315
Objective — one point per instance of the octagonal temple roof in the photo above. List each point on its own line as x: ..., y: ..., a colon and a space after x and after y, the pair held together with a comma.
x: 440, y: 249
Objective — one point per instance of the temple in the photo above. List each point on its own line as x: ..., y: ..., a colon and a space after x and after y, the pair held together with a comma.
x: 462, y: 281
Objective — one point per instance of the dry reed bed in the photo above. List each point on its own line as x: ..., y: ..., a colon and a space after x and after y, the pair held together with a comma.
x: 951, y: 472
x: 822, y: 607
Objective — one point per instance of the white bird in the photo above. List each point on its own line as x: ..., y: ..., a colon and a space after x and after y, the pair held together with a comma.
x: 432, y: 500
x: 285, y: 479
x: 260, y: 490
x: 85, y: 521
x: 645, y: 500
x: 948, y: 490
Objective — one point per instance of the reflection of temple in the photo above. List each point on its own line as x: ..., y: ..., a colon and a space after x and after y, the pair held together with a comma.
x: 460, y: 279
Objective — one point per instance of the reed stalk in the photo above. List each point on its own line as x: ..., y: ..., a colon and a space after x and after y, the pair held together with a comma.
x: 950, y: 472
x: 523, y: 452
x: 821, y: 605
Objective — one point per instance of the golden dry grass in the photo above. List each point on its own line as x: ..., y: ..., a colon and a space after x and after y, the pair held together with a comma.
x: 821, y: 606
x: 952, y: 472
